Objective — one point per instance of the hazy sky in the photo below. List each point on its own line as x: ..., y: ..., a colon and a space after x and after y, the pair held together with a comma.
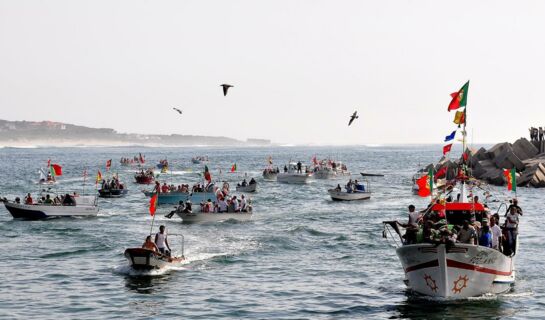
x: 299, y: 68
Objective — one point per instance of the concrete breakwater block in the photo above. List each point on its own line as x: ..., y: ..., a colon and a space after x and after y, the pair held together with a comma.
x: 524, y: 149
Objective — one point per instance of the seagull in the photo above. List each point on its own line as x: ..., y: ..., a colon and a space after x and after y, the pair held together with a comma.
x: 352, y: 117
x: 178, y: 110
x: 225, y: 88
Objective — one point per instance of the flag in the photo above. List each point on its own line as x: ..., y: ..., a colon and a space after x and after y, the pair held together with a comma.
x: 511, y: 177
x: 207, y: 175
x: 446, y: 149
x: 234, y: 167
x: 450, y: 136
x: 465, y: 156
x: 460, y: 117
x: 55, y: 170
x: 459, y: 99
x: 153, y: 204
x: 440, y: 173
x: 108, y: 165
x: 142, y: 160
x: 425, y: 184
x: 99, y: 177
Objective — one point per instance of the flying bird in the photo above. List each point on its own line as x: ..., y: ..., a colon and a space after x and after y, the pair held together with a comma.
x: 225, y: 88
x: 178, y: 110
x: 352, y: 117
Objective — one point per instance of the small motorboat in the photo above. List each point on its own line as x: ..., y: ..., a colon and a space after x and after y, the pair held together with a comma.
x: 293, y: 175
x: 46, y: 179
x: 248, y: 188
x: 195, y: 217
x: 144, y: 177
x: 349, y: 196
x: 175, y: 197
x: 143, y: 259
x: 270, y: 174
x: 199, y: 159
x: 365, y: 174
x: 112, y: 193
x: 81, y: 206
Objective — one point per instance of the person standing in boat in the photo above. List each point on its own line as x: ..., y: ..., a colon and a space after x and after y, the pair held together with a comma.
x: 496, y: 234
x: 511, y: 224
x: 412, y: 225
x: 299, y: 167
x: 28, y: 199
x: 514, y: 204
x: 162, y: 242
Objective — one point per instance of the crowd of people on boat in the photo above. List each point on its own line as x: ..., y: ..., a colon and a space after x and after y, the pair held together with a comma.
x: 351, y: 187
x: 145, y: 173
x: 271, y: 171
x: 136, y: 159
x: 430, y: 226
x: 112, y: 184
x: 64, y: 200
x: 183, y: 188
x: 536, y: 134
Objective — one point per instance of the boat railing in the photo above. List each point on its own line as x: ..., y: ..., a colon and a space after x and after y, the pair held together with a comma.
x: 183, y: 241
x: 390, y: 226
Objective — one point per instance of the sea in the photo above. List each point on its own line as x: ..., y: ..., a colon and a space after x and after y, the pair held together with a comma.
x: 302, y: 256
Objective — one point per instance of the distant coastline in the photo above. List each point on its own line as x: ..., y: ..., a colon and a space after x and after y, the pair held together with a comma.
x: 21, y: 134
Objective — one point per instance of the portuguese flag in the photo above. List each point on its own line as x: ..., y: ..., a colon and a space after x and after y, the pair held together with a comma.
x: 153, y: 204
x: 234, y: 167
x: 511, y: 177
x: 459, y: 99
x: 425, y: 184
x: 55, y: 170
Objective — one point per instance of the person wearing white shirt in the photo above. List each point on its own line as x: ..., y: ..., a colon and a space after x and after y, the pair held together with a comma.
x: 511, y: 223
x: 496, y: 234
x: 161, y: 241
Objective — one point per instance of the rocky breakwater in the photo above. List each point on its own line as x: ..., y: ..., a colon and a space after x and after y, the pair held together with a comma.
x: 526, y: 157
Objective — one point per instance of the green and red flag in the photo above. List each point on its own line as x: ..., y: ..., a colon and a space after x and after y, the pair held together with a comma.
x: 425, y: 184
x: 234, y: 167
x: 459, y: 99
x: 153, y: 204
x: 511, y: 177
x: 55, y: 170
x: 207, y: 175
x: 108, y: 165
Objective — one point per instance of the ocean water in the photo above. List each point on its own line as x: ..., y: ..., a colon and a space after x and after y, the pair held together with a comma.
x: 302, y: 256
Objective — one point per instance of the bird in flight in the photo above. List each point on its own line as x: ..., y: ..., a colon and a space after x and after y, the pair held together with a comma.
x: 353, y: 117
x: 178, y: 110
x: 225, y: 88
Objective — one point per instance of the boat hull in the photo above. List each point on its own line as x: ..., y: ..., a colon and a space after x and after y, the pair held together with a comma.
x: 294, y: 178
x: 176, y: 197
x: 145, y: 259
x: 144, y: 180
x: 458, y: 272
x: 248, y: 188
x: 112, y: 193
x: 36, y: 211
x: 345, y: 196
x: 324, y: 174
x: 270, y: 176
x: 214, y: 217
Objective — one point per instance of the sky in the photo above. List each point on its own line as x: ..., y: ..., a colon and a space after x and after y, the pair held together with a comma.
x: 299, y: 68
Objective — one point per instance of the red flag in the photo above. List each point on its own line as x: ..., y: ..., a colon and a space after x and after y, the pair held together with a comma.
x: 108, y: 164
x: 459, y: 99
x: 441, y: 172
x: 446, y: 149
x: 423, y: 183
x: 233, y: 168
x: 153, y: 205
x: 57, y: 169
x: 142, y: 160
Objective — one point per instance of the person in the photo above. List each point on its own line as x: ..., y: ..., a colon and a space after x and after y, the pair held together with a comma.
x: 157, y: 188
x: 412, y: 225
x: 222, y: 206
x: 17, y: 200
x: 299, y: 167
x: 161, y: 241
x: 236, y: 206
x: 467, y: 234
x: 349, y: 186
x: 187, y: 208
x: 28, y: 199
x: 244, y: 183
x: 338, y: 188
x: 67, y: 201
x: 496, y: 234
x: 164, y: 188
x: 150, y: 245
x: 485, y: 237
x: 514, y: 204
x: 49, y: 201
x: 540, y: 134
x: 252, y: 181
x: 243, y: 204
x: 359, y: 187
x: 511, y: 224
x: 285, y: 169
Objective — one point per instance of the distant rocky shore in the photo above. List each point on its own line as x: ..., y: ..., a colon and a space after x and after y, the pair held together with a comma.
x: 528, y: 158
x: 48, y: 133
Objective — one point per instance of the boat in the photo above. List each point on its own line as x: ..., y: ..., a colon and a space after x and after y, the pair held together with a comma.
x: 163, y: 163
x: 84, y: 206
x: 252, y: 187
x: 434, y: 262
x: 144, y: 177
x: 349, y: 196
x: 195, y: 217
x: 322, y: 172
x: 46, y: 179
x: 143, y: 259
x: 456, y: 270
x: 270, y: 174
x: 366, y: 174
x: 292, y: 176
x: 175, y: 197
x: 199, y: 159
x: 112, y: 193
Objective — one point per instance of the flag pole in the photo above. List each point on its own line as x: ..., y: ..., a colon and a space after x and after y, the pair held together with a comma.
x: 152, y: 221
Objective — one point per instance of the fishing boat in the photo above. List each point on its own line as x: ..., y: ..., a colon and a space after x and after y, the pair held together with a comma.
x: 143, y: 259
x: 434, y: 261
x: 112, y: 193
x: 270, y: 174
x: 79, y: 206
x: 144, y: 177
x: 323, y: 172
x: 195, y: 217
x: 366, y: 174
x: 292, y: 175
x: 175, y: 197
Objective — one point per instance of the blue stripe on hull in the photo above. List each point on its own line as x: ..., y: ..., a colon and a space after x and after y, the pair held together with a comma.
x: 26, y: 214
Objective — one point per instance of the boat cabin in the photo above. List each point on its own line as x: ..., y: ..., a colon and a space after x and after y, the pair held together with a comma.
x: 457, y: 212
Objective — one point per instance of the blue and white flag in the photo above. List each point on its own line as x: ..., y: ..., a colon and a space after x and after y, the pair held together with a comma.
x: 450, y: 136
